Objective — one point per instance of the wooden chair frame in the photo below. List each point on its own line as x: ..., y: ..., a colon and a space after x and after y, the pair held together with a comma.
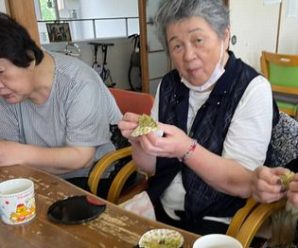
x: 282, y: 60
x: 285, y: 60
x: 105, y: 163
x: 254, y: 221
x: 128, y: 101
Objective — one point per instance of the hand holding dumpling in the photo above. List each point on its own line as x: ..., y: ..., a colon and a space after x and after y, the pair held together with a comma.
x: 146, y: 124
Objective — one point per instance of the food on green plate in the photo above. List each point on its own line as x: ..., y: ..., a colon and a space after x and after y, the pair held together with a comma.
x: 161, y: 238
x: 146, y: 125
x: 286, y: 179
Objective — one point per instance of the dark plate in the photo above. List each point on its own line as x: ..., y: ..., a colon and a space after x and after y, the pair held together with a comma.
x: 76, y: 209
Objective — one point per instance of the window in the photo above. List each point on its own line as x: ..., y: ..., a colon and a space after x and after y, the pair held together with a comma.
x: 48, y: 10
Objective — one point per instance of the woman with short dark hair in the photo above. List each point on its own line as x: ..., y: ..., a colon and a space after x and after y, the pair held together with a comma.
x: 55, y: 110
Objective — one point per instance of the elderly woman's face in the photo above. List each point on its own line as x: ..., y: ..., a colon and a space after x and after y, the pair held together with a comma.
x: 16, y: 83
x: 194, y: 48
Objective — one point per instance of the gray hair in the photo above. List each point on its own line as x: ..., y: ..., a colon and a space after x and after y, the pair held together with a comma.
x: 214, y: 12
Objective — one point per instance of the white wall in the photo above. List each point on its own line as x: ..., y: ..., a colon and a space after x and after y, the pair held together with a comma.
x: 158, y: 61
x: 255, y: 26
x: 111, y: 8
x: 2, y: 6
x: 288, y: 42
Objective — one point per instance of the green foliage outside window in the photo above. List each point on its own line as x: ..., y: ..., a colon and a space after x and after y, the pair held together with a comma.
x: 47, y: 13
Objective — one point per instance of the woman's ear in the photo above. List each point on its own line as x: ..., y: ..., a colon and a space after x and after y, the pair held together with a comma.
x: 30, y: 54
x: 226, y: 38
x: 32, y: 64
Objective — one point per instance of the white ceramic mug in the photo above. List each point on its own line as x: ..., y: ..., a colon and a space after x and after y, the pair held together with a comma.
x: 17, y: 202
x: 217, y: 241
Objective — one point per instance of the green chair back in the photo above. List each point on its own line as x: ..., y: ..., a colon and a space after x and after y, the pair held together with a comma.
x: 286, y: 76
x: 282, y: 72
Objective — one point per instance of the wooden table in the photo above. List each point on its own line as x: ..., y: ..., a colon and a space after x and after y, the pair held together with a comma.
x: 114, y: 228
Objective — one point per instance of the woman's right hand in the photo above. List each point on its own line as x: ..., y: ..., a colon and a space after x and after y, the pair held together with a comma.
x: 266, y: 184
x: 145, y: 162
x: 128, y: 123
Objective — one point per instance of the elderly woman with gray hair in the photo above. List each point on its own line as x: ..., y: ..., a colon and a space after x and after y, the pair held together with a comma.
x: 216, y: 115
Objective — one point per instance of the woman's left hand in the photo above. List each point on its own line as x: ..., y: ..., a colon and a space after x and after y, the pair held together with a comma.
x: 266, y: 185
x: 174, y: 142
x: 292, y: 193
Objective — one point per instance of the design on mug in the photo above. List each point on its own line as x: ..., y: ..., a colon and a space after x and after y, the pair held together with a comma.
x: 23, y: 211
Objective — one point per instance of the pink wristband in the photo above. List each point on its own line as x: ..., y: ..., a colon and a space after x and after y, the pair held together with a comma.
x: 189, y: 151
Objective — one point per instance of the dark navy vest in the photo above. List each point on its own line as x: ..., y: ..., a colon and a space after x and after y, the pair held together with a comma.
x: 209, y: 128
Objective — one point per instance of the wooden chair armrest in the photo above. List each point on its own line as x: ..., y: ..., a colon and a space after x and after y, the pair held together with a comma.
x: 120, y: 179
x: 255, y: 220
x: 105, y: 162
x: 241, y: 216
x: 283, y: 89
